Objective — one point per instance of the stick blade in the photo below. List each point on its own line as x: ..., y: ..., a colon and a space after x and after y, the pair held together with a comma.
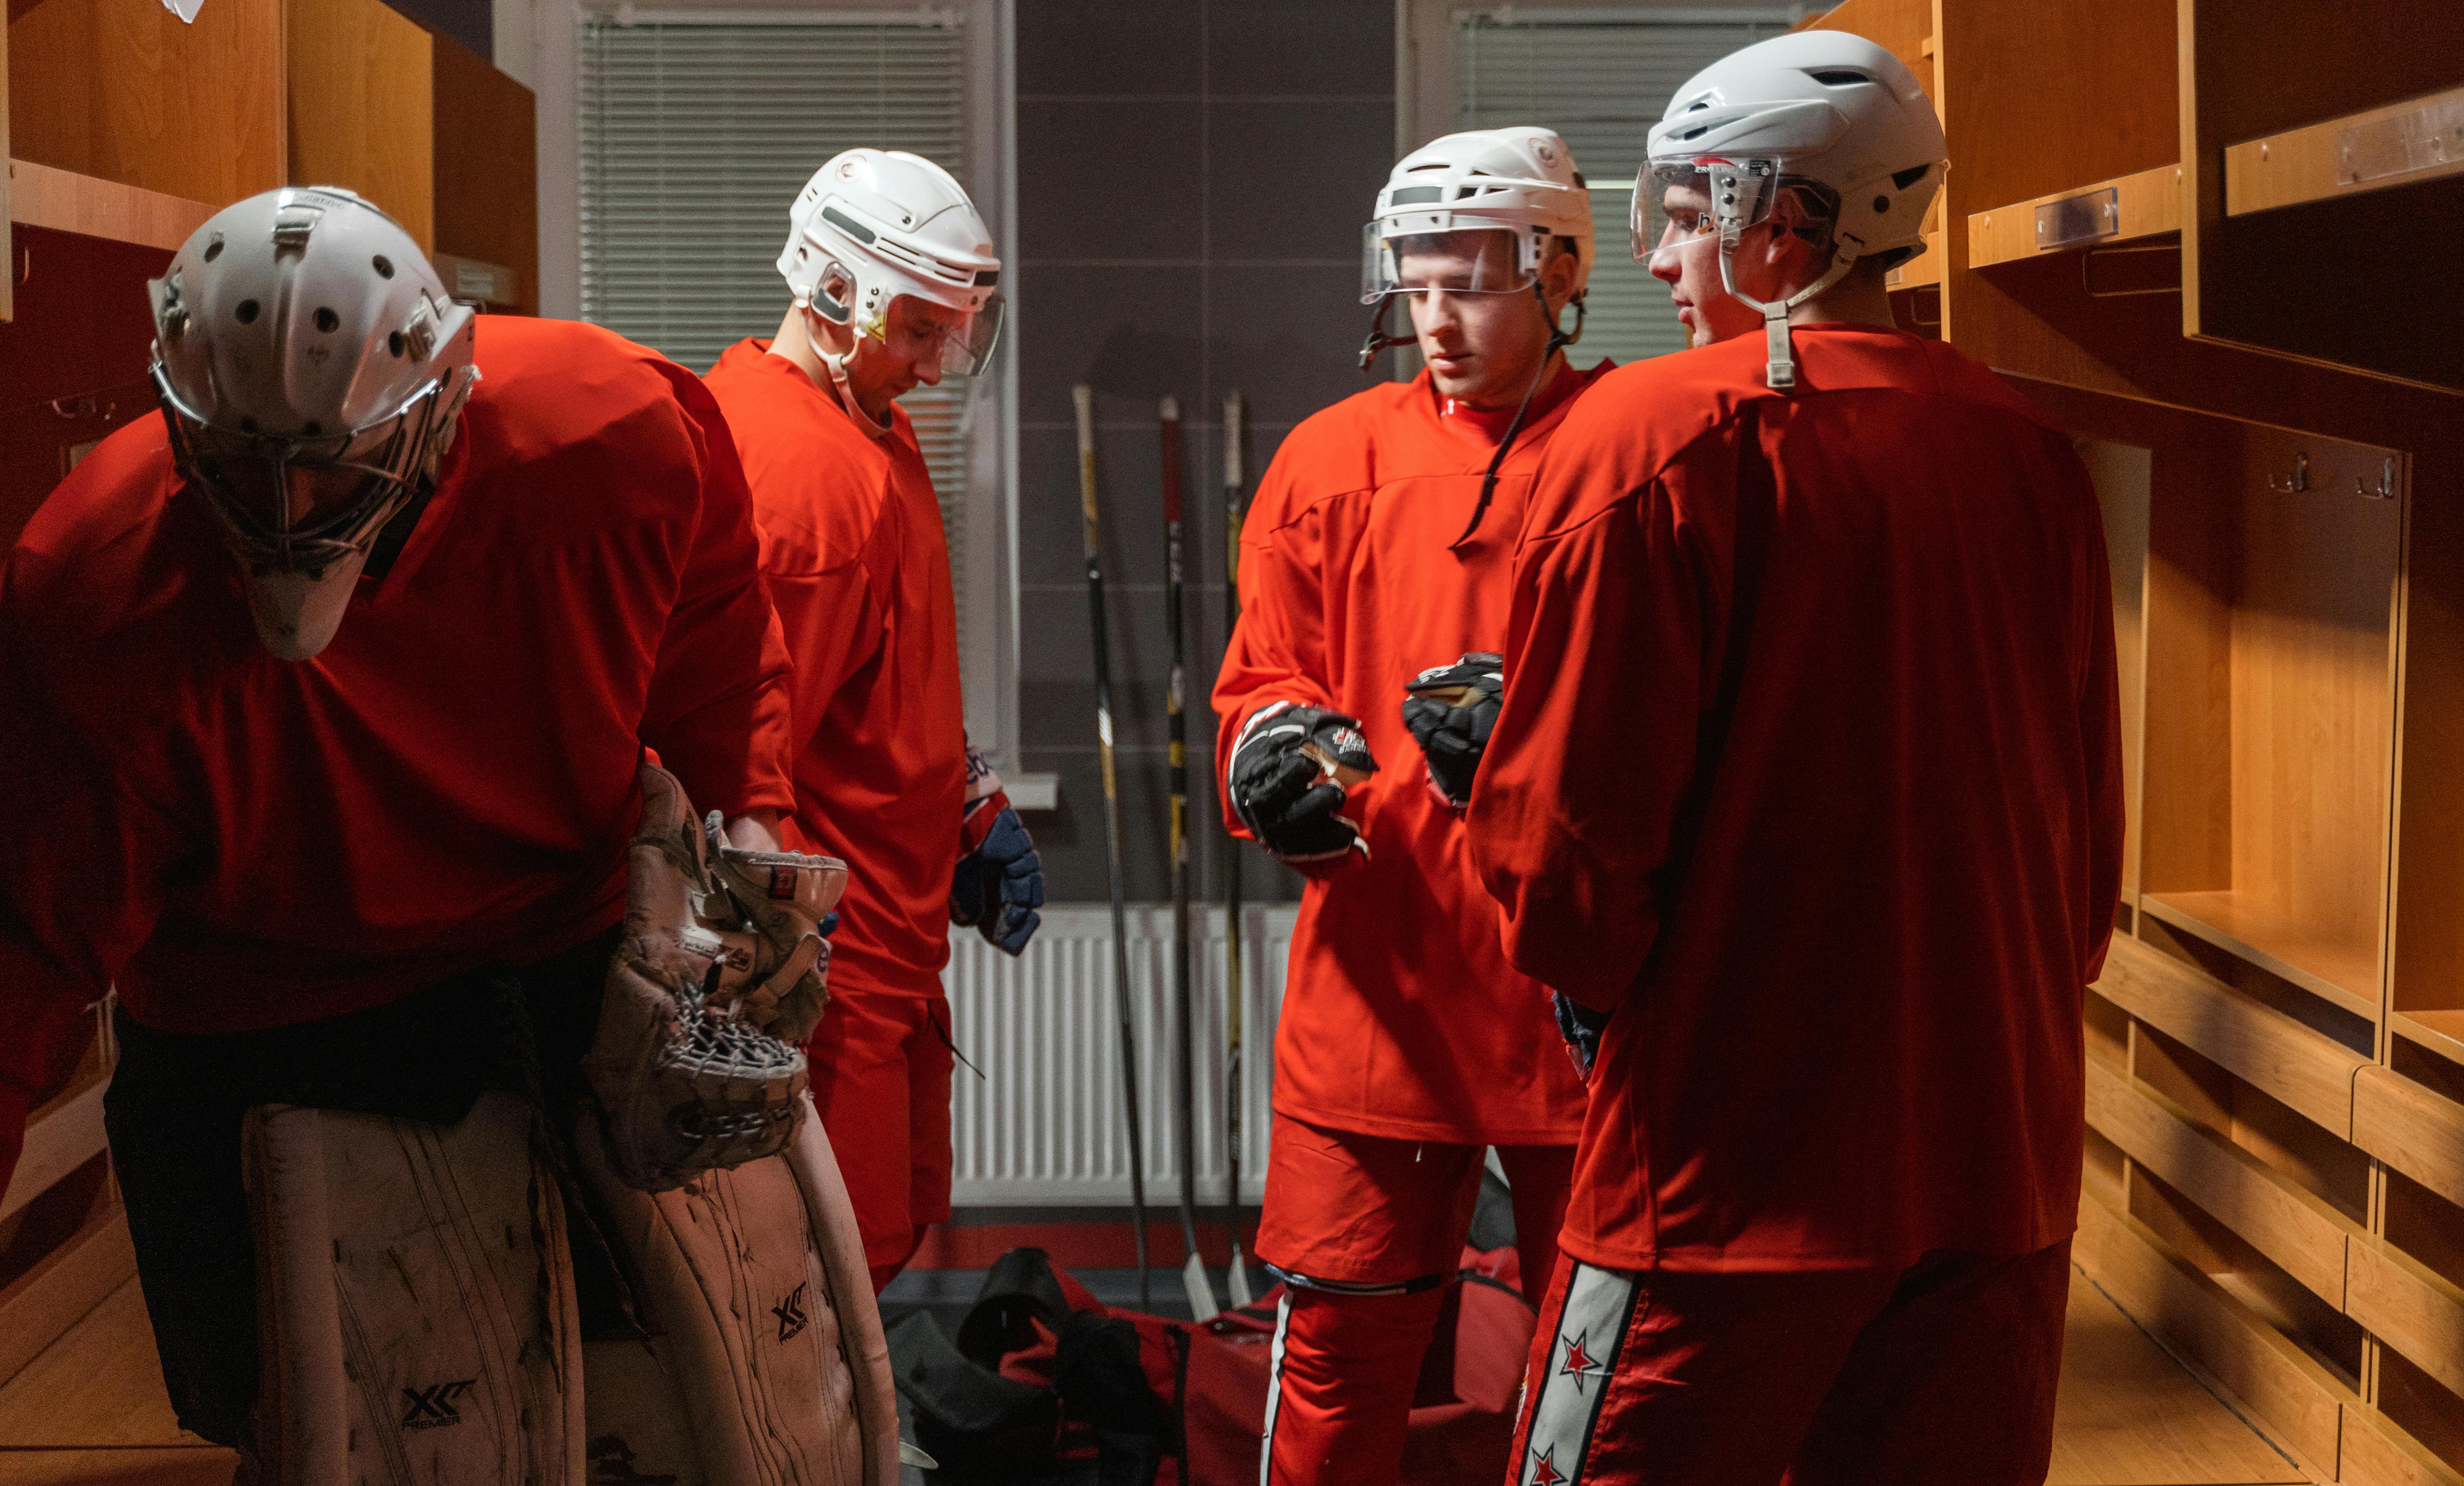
x: 1201, y: 1293
x: 1236, y: 1279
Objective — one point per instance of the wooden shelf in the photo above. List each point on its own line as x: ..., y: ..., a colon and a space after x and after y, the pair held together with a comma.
x: 2419, y: 139
x: 41, y: 195
x: 2413, y: 1129
x: 2309, y: 1073
x: 2128, y: 208
x: 62, y: 1137
x: 2437, y: 1031
x: 45, y: 1302
x: 2233, y: 923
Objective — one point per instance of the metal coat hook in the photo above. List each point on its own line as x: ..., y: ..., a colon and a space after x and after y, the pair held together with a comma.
x: 2300, y: 480
x: 2387, y: 483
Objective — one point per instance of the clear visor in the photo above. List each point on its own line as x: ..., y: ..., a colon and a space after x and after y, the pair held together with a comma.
x: 300, y: 503
x: 1466, y: 260
x: 962, y: 342
x: 1655, y: 223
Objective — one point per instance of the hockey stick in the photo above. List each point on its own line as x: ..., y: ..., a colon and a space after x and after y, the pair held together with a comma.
x: 1193, y: 1268
x: 1086, y: 399
x: 1236, y: 1279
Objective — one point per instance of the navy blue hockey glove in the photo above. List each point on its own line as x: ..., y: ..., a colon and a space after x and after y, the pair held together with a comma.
x: 1291, y: 769
x: 1451, y: 709
x: 1581, y: 1028
x: 999, y: 881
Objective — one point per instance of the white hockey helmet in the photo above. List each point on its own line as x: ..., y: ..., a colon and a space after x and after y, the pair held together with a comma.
x: 1518, y: 180
x: 1822, y: 109
x: 874, y: 224
x: 312, y: 370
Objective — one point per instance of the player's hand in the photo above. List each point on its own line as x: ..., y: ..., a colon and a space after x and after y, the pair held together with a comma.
x: 999, y: 881
x: 1450, y: 710
x: 1581, y: 1028
x: 1290, y: 772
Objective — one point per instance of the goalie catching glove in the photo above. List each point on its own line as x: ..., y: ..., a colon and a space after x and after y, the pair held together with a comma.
x: 999, y: 881
x: 722, y: 970
x: 1292, y: 767
x: 1451, y: 709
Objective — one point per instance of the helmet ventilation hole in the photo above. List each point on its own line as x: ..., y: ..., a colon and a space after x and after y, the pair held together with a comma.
x: 383, y: 265
x: 248, y: 425
x: 327, y: 320
x: 246, y: 312
x: 393, y: 342
x: 214, y: 248
x: 1881, y: 203
x: 1838, y: 78
x: 313, y: 429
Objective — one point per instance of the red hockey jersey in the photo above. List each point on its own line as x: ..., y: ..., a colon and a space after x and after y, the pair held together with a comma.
x: 856, y: 562
x: 1401, y: 1015
x: 239, y: 841
x: 1809, y: 768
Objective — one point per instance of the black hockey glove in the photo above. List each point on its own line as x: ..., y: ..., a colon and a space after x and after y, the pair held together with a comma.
x: 1451, y: 709
x: 1581, y: 1028
x: 999, y: 881
x: 1291, y: 769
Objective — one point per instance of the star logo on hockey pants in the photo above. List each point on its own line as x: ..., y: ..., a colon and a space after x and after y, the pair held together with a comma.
x: 1544, y: 1469
x: 1578, y: 1364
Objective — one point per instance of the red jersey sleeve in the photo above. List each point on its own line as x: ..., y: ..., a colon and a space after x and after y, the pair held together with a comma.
x: 1609, y: 671
x: 1278, y: 650
x: 718, y: 708
x: 83, y: 861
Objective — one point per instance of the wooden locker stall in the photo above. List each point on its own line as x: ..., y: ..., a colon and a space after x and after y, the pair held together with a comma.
x: 127, y: 129
x: 2203, y: 235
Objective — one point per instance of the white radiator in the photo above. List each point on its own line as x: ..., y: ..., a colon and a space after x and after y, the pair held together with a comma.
x: 1043, y: 1127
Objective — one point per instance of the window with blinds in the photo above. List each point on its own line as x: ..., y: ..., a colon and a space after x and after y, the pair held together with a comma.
x: 1600, y: 78
x: 695, y: 137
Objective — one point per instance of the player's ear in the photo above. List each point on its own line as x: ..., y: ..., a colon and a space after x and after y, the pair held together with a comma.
x: 1557, y: 275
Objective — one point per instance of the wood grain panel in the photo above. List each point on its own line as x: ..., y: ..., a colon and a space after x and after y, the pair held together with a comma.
x: 2296, y: 1230
x: 2376, y: 1452
x: 486, y: 169
x: 2147, y: 204
x: 128, y: 93
x: 2312, y: 1074
x: 2409, y: 1308
x: 2128, y: 1414
x: 102, y: 1386
x: 42, y: 196
x: 362, y: 107
x: 2412, y: 1129
x: 2300, y: 1399
x: 51, y: 1298
x: 2306, y: 164
x: 62, y: 1137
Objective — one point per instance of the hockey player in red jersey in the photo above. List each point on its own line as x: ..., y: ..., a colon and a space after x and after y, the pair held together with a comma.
x: 321, y: 703
x: 892, y: 275
x: 1354, y: 699
x: 1807, y: 789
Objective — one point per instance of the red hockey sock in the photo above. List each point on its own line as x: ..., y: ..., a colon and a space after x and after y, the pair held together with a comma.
x: 1340, y: 1395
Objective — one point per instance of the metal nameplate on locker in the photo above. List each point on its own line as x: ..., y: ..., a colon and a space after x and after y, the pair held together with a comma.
x: 2089, y: 217
x: 2416, y: 139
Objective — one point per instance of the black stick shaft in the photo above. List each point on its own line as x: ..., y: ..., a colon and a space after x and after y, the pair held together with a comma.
x: 1234, y: 986
x: 1086, y: 399
x: 1177, y: 737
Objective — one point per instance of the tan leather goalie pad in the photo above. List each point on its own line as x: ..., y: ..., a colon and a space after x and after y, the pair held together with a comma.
x: 415, y: 1300
x: 768, y: 1364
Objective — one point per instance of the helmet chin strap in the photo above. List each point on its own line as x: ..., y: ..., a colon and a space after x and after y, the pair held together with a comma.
x: 837, y: 365
x: 1780, y: 374
x: 1737, y: 190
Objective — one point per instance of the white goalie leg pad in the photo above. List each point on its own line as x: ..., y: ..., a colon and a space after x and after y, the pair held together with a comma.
x: 769, y: 1364
x: 415, y: 1300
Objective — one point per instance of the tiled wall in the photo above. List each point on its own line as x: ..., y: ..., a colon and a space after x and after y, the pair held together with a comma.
x: 1192, y: 177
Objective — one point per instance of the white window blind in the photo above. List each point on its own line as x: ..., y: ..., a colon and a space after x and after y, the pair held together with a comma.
x: 695, y: 137
x: 1602, y: 78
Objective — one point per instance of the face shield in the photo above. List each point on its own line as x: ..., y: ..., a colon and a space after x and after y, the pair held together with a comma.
x: 300, y: 513
x: 1714, y: 199
x: 959, y: 342
x: 1465, y: 261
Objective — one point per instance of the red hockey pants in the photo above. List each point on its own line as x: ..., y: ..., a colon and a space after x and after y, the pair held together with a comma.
x: 1368, y: 1230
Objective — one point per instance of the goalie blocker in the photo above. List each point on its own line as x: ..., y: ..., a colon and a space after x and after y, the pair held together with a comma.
x: 418, y: 1316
